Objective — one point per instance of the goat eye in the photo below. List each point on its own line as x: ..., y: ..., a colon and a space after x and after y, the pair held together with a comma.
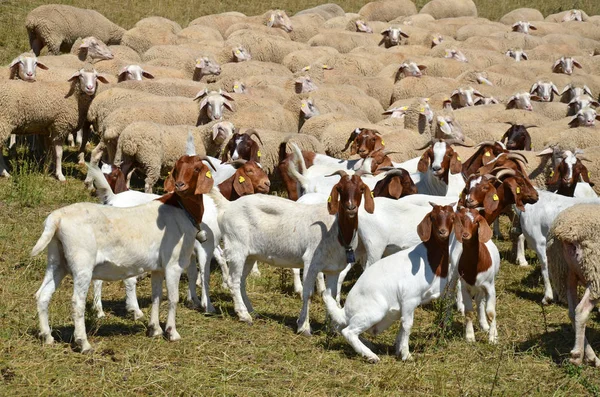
x: 196, y: 169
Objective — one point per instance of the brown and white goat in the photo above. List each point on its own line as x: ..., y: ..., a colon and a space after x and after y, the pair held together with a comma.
x: 242, y: 146
x: 115, y: 178
x: 363, y: 141
x: 396, y: 184
x: 249, y: 178
x: 517, y: 137
x: 486, y: 152
x: 441, y: 168
x: 569, y: 171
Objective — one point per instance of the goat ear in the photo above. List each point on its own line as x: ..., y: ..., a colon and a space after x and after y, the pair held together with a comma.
x: 205, y: 181
x: 395, y: 187
x: 242, y: 183
x: 424, y: 228
x: 333, y: 201
x: 512, y: 185
x: 490, y: 202
x: 369, y: 202
x: 121, y: 183
x: 553, y: 180
x: 169, y: 185
x: 458, y: 228
x: 585, y: 174
x: 485, y: 232
x: 527, y: 141
x: 505, y: 136
x: 423, y: 164
x: 455, y: 164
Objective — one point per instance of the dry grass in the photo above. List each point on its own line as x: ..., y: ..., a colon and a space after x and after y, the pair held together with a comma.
x: 13, y: 36
x: 220, y: 356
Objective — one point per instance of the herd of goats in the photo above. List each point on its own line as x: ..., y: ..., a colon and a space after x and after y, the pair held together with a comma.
x: 421, y: 228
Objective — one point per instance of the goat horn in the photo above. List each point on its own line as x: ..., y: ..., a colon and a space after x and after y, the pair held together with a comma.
x: 490, y: 176
x: 237, y: 163
x: 431, y: 142
x: 517, y: 156
x: 362, y: 172
x: 394, y: 172
x: 505, y: 171
x: 253, y: 132
x: 388, y: 152
x: 341, y: 173
x: 530, y: 126
x: 204, y: 158
x: 491, y: 143
x: 582, y: 157
x: 510, y: 122
x: 456, y: 142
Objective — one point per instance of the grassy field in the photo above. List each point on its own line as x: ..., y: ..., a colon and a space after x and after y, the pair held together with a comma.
x: 219, y: 355
x: 13, y: 36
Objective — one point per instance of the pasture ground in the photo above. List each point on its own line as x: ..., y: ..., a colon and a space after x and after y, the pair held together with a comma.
x: 219, y: 355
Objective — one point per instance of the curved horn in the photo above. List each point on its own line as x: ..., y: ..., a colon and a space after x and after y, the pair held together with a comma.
x: 480, y: 209
x: 529, y: 126
x: 431, y: 142
x: 517, y: 156
x: 491, y: 143
x: 456, y: 142
x: 341, y: 173
x: 253, y: 132
x: 504, y: 172
x: 204, y: 158
x: 237, y: 163
x: 581, y: 157
x: 511, y: 123
x: 394, y: 172
x: 388, y: 152
x: 490, y: 176
x: 360, y: 173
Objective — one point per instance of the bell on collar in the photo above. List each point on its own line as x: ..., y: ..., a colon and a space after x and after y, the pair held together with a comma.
x: 350, y: 256
x: 201, y: 236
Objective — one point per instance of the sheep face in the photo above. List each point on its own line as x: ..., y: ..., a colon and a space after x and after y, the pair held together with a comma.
x: 133, y: 72
x: 214, y: 102
x: 304, y: 84
x: 207, y: 66
x: 573, y: 15
x: 486, y: 101
x: 24, y: 67
x: 88, y: 80
x: 456, y: 55
x: 392, y: 36
x: 449, y: 128
x: 523, y: 27
x: 411, y: 69
x: 585, y: 118
x: 571, y: 92
x: 544, y: 90
x: 222, y: 131
x: 436, y: 39
x: 94, y: 49
x: 521, y: 101
x: 239, y: 87
x: 581, y: 102
x: 517, y: 55
x: 240, y: 54
x: 361, y: 26
x: 463, y: 97
x: 565, y: 65
x: 279, y: 19
x: 308, y: 108
x: 396, y: 113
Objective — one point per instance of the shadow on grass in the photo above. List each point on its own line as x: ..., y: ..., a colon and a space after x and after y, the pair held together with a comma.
x: 117, y: 306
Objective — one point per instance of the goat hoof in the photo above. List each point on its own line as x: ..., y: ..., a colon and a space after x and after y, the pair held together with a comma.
x: 85, y: 347
x: 172, y: 334
x: 546, y: 300
x: 137, y: 314
x: 210, y: 309
x: 373, y: 359
x: 246, y: 318
x: 407, y: 357
x: 304, y: 331
x: 575, y: 361
x: 48, y: 339
x: 100, y: 315
x: 470, y: 338
x: 154, y: 331
x: 523, y: 263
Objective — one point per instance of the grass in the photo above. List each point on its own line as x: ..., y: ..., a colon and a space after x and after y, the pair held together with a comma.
x: 218, y: 355
x: 13, y: 36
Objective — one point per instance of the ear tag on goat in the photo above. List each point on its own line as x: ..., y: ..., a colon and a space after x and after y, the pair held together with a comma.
x: 258, y: 153
x: 350, y: 255
x: 382, y: 143
x: 329, y: 199
x: 518, y: 190
x: 241, y: 179
x: 487, y: 154
x: 495, y: 197
x: 372, y: 195
x: 551, y: 173
x: 208, y: 174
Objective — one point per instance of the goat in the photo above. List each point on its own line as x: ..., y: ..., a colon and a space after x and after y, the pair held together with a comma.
x: 544, y: 90
x: 323, y: 239
x: 477, y: 260
x: 440, y: 168
x: 393, y: 287
x: 486, y: 152
x: 568, y: 173
x: 391, y: 36
x: 249, y: 178
x: 82, y: 237
x: 396, y: 184
x: 363, y: 141
x: 565, y: 65
x: 517, y: 137
x: 242, y: 146
x: 115, y: 178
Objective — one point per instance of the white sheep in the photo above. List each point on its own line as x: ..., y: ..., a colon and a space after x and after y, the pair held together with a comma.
x: 585, y: 117
x: 523, y: 27
x: 25, y: 66
x: 544, y: 90
x: 565, y: 65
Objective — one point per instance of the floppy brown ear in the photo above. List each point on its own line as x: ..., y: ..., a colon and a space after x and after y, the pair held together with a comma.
x: 553, y: 177
x: 490, y: 202
x: 333, y: 201
x: 204, y: 182
x: 147, y: 75
x: 424, y: 228
x: 485, y: 232
x: 121, y: 183
x: 423, y: 164
x: 369, y: 202
x: 512, y: 185
x: 455, y: 164
x: 458, y: 228
x: 169, y: 185
x: 242, y: 183
x: 395, y: 187
x: 585, y: 174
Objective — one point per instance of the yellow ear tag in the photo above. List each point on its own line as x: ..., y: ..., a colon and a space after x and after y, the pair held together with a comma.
x: 236, y: 87
x: 487, y: 154
x: 272, y: 18
x: 551, y: 173
x: 495, y: 197
x: 208, y: 174
x: 589, y: 174
x: 382, y: 143
x: 329, y: 199
x: 421, y: 109
x: 303, y: 105
x: 458, y: 158
x: 372, y: 195
x: 258, y: 153
x: 325, y: 66
x: 518, y: 190
x: 306, y: 68
x: 241, y: 179
x: 237, y: 52
x: 404, y: 108
x: 442, y: 123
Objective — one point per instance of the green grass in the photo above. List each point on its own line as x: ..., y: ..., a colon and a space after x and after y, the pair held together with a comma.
x: 13, y: 36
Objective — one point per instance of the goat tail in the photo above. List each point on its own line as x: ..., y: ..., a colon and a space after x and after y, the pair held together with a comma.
x: 103, y: 189
x: 220, y: 201
x: 293, y: 169
x: 298, y: 157
x: 338, y: 315
x: 50, y: 227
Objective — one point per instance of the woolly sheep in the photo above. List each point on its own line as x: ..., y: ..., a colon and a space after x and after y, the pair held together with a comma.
x: 386, y: 10
x: 567, y: 15
x: 423, y: 87
x: 376, y: 87
x: 343, y: 41
x: 154, y: 147
x: 265, y: 48
x: 306, y: 26
x: 450, y: 8
x: 297, y: 60
x: 24, y: 67
x: 521, y: 14
x: 572, y: 248
x: 220, y: 22
x: 231, y: 72
x: 58, y: 26
x: 149, y: 32
x: 198, y: 33
x: 165, y: 87
x: 327, y: 11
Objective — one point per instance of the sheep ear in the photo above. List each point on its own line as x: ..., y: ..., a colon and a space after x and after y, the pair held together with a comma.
x: 422, y: 67
x: 573, y: 123
x: 147, y: 75
x: 535, y: 97
x: 205, y: 181
x: 41, y: 65
x: 385, y: 31
x: 587, y: 90
x: 228, y: 105
x: 490, y: 202
x: 455, y: 92
x: 102, y: 79
x: 556, y: 65
x: 200, y: 94
x: 524, y: 56
x: 84, y: 44
x: 369, y: 202
x: 554, y: 89
x: 75, y: 76
x: 485, y: 232
x: 565, y: 89
x: 15, y: 62
x: 203, y: 103
x: 424, y: 228
x: 532, y: 27
x: 333, y: 201
x: 242, y: 183
x: 404, y: 34
x: 201, y: 63
x: 477, y: 93
x: 217, y: 133
x: 534, y: 87
x: 423, y: 164
x: 577, y: 64
x: 121, y: 75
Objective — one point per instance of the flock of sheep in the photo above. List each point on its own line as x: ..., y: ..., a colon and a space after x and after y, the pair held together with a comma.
x: 399, y: 136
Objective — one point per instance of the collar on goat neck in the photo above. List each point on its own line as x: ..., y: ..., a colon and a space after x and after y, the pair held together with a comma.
x: 438, y: 254
x: 475, y: 259
x: 193, y: 207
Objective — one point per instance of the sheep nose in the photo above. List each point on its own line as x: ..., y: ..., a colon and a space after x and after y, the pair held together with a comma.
x: 30, y: 74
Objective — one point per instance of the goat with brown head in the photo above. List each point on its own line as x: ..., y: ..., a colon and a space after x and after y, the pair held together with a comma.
x: 486, y: 152
x: 242, y: 146
x: 396, y: 184
x: 249, y: 178
x: 473, y: 231
x: 568, y: 172
x: 514, y: 161
x: 379, y: 159
x: 115, y: 178
x: 345, y: 200
x: 441, y: 158
x: 186, y: 183
x: 434, y: 231
x: 517, y: 137
x: 282, y: 168
x: 364, y: 141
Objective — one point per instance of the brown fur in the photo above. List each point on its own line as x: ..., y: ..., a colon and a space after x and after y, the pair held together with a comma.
x: 434, y: 230
x: 475, y: 257
x: 248, y: 179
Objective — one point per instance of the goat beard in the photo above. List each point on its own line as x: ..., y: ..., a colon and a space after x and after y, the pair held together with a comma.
x: 347, y: 228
